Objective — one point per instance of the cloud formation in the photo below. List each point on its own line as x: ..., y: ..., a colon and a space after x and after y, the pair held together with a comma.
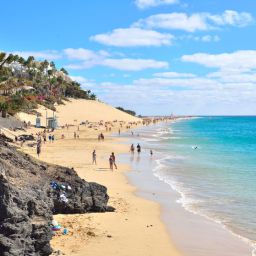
x: 174, y: 75
x: 196, y: 21
x: 88, y: 58
x: 229, y: 90
x: 48, y: 55
x: 84, y: 54
x: 238, y: 61
x: 143, y: 4
x: 133, y: 37
x: 134, y: 64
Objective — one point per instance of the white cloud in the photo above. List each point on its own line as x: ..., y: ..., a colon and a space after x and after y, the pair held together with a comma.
x: 84, y: 54
x: 124, y: 37
x: 209, y: 38
x: 230, y: 90
x: 134, y: 64
x: 232, y: 18
x: 201, y: 83
x: 174, y: 75
x: 142, y: 4
x: 200, y: 95
x: 234, y: 77
x: 79, y: 79
x: 48, y: 55
x: 204, y: 38
x: 88, y: 59
x: 238, y: 61
x: 85, y: 83
x: 174, y: 21
x: 196, y: 21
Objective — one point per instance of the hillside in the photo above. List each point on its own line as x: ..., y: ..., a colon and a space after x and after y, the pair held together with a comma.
x: 76, y: 111
x: 24, y: 83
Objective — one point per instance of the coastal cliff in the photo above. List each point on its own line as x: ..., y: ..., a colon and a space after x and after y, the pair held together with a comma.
x: 29, y: 197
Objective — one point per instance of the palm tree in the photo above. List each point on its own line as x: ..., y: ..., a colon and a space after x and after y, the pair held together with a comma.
x: 93, y: 96
x: 29, y: 61
x: 52, y: 65
x: 2, y: 56
x: 21, y: 61
x: 8, y: 60
x: 64, y: 71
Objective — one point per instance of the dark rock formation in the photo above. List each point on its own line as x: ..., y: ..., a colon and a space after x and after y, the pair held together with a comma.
x: 28, y: 201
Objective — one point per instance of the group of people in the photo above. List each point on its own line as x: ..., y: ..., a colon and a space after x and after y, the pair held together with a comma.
x: 112, y: 160
x: 42, y: 137
x: 132, y: 149
x: 76, y: 135
x: 51, y: 137
x: 101, y: 137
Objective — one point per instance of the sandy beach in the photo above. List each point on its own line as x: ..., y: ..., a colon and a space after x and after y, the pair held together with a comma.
x: 135, y: 228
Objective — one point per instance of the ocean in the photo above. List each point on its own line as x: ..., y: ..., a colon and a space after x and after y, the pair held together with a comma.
x: 211, y: 163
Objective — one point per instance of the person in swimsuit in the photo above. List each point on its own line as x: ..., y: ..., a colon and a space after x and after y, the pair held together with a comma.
x: 138, y: 148
x: 111, y: 162
x: 94, y: 157
x: 114, y: 159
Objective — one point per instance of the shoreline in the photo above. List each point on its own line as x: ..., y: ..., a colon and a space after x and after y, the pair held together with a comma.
x: 93, y: 234
x: 212, y: 229
x: 134, y: 229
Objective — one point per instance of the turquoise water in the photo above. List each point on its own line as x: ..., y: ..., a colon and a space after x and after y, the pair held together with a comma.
x: 211, y: 161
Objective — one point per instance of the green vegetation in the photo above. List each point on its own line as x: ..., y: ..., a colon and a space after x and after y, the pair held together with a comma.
x: 130, y: 112
x: 24, y: 83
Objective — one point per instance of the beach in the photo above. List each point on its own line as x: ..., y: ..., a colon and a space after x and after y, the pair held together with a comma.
x: 134, y: 228
x: 153, y: 214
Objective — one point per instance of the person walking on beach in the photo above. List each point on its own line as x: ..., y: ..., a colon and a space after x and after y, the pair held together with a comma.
x: 94, y: 157
x: 111, y: 162
x: 38, y: 147
x: 50, y: 138
x: 132, y: 149
x: 138, y: 148
x: 44, y: 137
x: 114, y: 159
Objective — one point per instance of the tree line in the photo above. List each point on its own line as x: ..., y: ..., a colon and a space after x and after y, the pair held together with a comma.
x: 26, y: 82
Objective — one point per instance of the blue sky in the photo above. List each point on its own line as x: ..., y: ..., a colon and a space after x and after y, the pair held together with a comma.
x: 152, y: 56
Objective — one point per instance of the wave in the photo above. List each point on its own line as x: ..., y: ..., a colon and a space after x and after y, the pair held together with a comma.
x: 188, y: 202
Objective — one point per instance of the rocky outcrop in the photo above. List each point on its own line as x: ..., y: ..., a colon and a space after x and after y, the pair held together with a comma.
x: 29, y: 197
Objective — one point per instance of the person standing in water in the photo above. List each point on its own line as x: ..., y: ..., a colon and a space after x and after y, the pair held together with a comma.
x: 138, y: 148
x: 132, y: 149
x: 151, y: 152
x: 94, y: 157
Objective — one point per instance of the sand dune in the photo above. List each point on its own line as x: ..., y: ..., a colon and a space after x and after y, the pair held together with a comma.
x: 75, y: 111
